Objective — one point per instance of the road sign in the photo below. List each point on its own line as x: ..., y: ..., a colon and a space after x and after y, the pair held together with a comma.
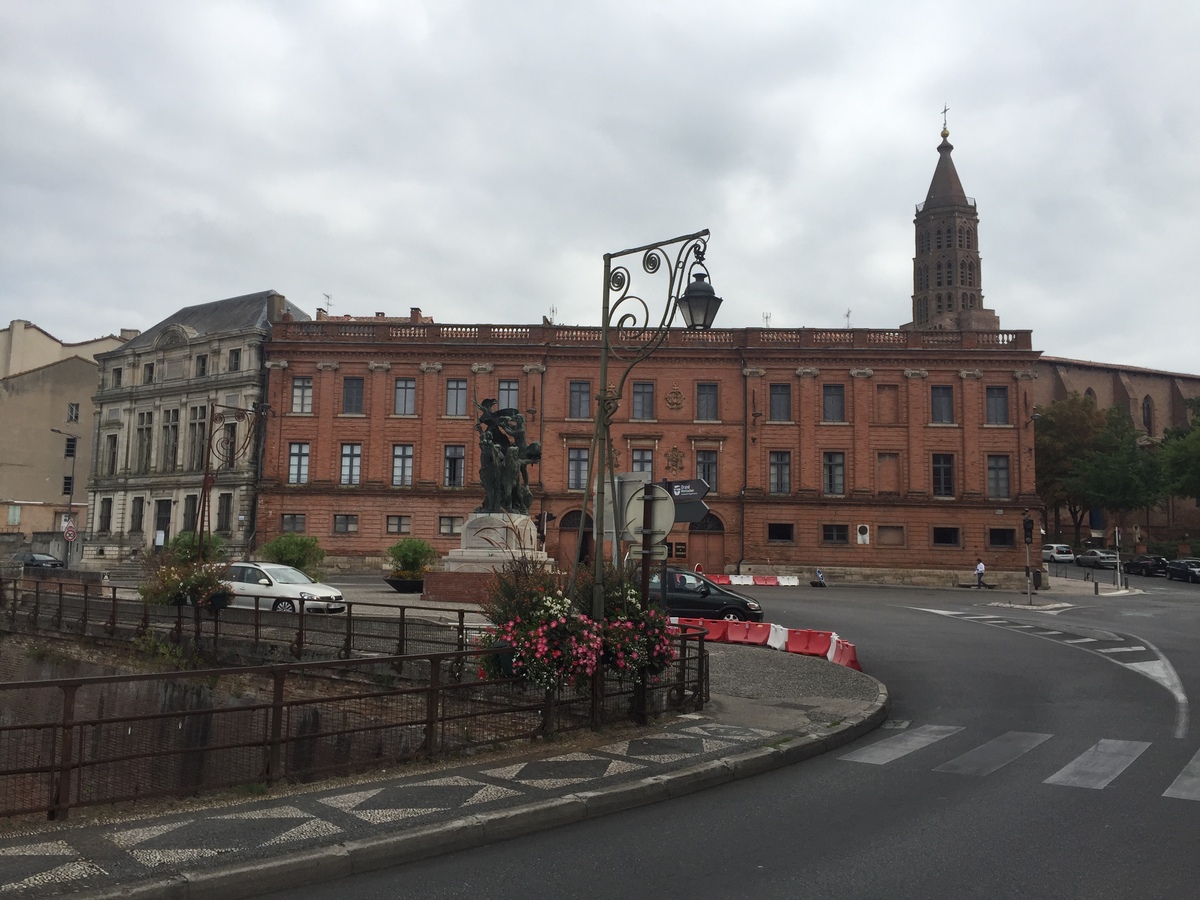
x: 69, y: 533
x: 662, y: 512
x: 657, y: 551
x: 692, y: 489
x: 689, y: 511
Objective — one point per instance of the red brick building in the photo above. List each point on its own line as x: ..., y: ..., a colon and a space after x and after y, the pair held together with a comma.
x: 847, y: 449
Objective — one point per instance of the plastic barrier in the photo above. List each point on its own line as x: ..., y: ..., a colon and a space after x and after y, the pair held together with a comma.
x: 844, y: 654
x: 741, y: 579
x: 789, y: 581
x: 717, y: 629
x: 819, y: 643
x: 766, y: 580
x: 718, y: 579
x: 778, y: 638
x: 799, y: 640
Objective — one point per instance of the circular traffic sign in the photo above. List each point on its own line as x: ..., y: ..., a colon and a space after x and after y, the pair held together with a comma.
x: 69, y: 533
x: 662, y: 512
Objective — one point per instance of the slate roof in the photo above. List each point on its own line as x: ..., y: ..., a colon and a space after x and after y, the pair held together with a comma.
x: 945, y: 189
x: 220, y: 316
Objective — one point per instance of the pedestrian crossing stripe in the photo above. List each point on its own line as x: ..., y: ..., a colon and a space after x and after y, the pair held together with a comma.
x: 1096, y: 768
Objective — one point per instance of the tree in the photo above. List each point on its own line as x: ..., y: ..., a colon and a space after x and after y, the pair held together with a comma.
x: 297, y: 551
x: 1180, y: 455
x: 1067, y: 430
x: 185, y: 546
x: 1120, y: 473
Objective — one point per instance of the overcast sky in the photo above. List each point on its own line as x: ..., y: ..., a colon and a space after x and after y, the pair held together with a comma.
x: 477, y: 159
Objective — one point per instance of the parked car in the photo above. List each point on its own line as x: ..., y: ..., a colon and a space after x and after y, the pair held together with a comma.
x: 1145, y: 564
x: 280, y: 588
x: 1097, y: 559
x: 1057, y: 553
x: 39, y: 561
x: 691, y: 595
x: 1185, y: 569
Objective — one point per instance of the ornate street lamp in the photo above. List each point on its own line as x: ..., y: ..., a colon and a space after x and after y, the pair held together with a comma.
x: 627, y: 336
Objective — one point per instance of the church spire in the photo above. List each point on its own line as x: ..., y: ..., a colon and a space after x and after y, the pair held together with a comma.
x: 947, y: 270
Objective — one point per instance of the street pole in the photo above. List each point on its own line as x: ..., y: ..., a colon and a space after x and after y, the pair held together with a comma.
x: 71, y: 493
x: 1027, y: 526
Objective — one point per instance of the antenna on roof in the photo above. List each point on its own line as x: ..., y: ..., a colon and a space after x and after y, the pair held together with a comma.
x: 766, y: 320
x: 847, y: 318
x: 328, y: 302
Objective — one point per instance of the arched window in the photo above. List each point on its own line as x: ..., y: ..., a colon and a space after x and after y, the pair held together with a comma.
x: 939, y: 274
x: 938, y: 244
x: 1090, y: 394
x: 970, y: 234
x: 960, y: 237
x: 964, y: 302
x: 962, y: 272
x: 924, y: 278
x: 1148, y: 414
x: 939, y: 301
x: 971, y: 274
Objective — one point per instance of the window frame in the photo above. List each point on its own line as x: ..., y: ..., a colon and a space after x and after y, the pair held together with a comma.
x: 941, y: 404
x: 994, y: 471
x: 579, y: 400
x: 302, y: 391
x: 299, y: 459
x: 350, y: 471
x: 779, y: 472
x: 345, y: 523
x: 641, y: 406
x: 289, y: 521
x: 833, y: 473
x: 996, y: 405
x: 708, y: 408
x: 833, y: 401
x: 454, y: 465
x: 508, y: 393
x: 354, y: 395
x: 404, y: 396
x: 403, y: 455
x: 942, y: 472
x: 775, y: 533
x: 707, y: 469
x: 835, y: 534
x: 779, y: 402
x: 577, y: 468
x: 456, y: 398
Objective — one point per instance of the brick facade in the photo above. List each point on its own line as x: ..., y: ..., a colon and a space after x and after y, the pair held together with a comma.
x: 330, y: 456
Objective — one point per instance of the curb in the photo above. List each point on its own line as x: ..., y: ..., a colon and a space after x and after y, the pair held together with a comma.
x: 321, y: 864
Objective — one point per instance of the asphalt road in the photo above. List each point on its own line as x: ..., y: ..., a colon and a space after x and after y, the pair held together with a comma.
x: 1028, y: 755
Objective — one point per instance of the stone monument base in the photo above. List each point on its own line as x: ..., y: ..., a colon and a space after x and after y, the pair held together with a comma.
x: 491, y: 540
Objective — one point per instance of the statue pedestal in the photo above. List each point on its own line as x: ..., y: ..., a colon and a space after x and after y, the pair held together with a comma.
x: 492, y: 540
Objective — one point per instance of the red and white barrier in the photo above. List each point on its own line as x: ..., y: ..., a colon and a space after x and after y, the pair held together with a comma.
x: 804, y: 641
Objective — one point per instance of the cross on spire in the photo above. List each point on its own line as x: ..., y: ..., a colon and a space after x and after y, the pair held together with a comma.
x: 945, y: 109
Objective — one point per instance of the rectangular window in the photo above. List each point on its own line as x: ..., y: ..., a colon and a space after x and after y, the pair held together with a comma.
x: 298, y: 463
x: 302, y: 394
x: 833, y: 403
x: 351, y: 464
x: 450, y: 524
x: 577, y: 468
x: 780, y: 472
x: 110, y: 454
x: 399, y: 524
x: 106, y: 515
x: 706, y: 468
x: 580, y: 401
x: 456, y: 397
x: 1002, y: 537
x: 509, y: 398
x: 201, y: 365
x: 835, y: 534
x: 643, y: 400
x: 225, y: 512
x: 455, y: 465
x: 234, y: 363
x: 834, y: 469
x: 197, y: 437
x: 402, y: 465
x: 69, y: 447
x: 144, y: 442
x: 941, y: 404
x: 706, y: 403
x: 406, y: 397
x: 997, y: 406
x: 72, y: 412
x: 643, y: 461
x: 345, y: 524
x: 137, y: 513
x: 352, y: 396
x: 780, y: 531
x: 148, y: 373
x: 943, y: 475
x: 68, y: 485
x: 191, y: 504
x: 780, y: 409
x: 292, y: 522
x: 116, y: 377
x: 170, y: 439
x: 945, y: 537
x: 997, y: 477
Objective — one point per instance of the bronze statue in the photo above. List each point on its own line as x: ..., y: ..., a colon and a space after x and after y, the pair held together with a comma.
x: 504, y: 459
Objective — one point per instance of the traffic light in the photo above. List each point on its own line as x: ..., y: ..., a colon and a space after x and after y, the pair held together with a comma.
x: 1028, y: 523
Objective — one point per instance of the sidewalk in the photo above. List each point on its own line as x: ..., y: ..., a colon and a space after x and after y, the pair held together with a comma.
x: 768, y: 709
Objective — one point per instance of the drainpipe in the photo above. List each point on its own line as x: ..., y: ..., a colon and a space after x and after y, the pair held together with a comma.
x: 745, y: 465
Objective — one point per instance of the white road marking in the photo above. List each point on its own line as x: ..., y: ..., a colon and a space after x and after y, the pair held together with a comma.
x: 986, y: 759
x: 1187, y: 785
x: 1097, y: 767
x: 893, y: 748
x: 1080, y: 641
x: 1120, y: 649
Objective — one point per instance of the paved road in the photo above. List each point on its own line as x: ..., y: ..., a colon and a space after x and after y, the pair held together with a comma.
x: 1032, y: 754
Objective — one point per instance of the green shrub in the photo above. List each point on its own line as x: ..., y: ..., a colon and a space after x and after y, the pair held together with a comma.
x: 1166, y: 549
x: 411, y: 557
x: 297, y: 551
x: 185, y: 547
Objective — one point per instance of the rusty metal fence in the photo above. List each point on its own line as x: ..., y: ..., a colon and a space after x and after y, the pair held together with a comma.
x: 79, y: 742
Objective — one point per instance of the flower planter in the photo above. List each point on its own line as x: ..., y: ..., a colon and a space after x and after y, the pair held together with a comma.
x: 406, y: 585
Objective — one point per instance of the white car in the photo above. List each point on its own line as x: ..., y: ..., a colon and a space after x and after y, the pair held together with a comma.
x: 1057, y: 553
x: 280, y: 588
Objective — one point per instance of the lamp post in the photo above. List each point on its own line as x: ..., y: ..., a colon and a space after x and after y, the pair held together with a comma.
x: 628, y: 337
x: 71, y: 493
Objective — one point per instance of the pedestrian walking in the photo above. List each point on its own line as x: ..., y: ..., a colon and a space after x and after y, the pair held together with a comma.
x: 979, y: 567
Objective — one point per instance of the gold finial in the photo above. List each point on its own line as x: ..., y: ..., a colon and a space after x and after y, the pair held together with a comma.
x: 945, y: 133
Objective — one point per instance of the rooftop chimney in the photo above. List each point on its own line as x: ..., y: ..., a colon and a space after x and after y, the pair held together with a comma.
x: 414, y: 315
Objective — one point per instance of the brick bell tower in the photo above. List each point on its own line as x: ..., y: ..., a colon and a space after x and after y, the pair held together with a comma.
x: 947, y: 274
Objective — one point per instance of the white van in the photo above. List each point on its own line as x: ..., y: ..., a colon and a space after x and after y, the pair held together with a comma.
x: 1057, y: 553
